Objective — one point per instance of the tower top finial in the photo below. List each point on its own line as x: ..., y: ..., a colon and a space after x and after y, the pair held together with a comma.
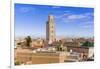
x: 51, y: 17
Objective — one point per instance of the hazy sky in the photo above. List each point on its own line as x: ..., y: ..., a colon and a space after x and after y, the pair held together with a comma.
x: 69, y: 21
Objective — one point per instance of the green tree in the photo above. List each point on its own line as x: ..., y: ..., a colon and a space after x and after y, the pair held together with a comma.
x: 17, y: 62
x: 88, y: 44
x: 28, y: 41
x: 59, y: 48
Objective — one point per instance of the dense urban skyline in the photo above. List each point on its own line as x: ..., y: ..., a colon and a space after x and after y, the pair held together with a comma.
x: 69, y: 21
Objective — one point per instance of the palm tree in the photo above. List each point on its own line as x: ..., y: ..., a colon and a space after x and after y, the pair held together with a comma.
x: 28, y: 41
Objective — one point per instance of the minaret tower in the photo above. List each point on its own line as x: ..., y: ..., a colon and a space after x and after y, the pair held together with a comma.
x: 50, y: 29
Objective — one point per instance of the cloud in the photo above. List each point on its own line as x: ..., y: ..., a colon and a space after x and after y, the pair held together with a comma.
x: 89, y: 14
x: 75, y: 17
x: 89, y: 22
x: 66, y: 14
x: 56, y: 7
x: 72, y: 17
x: 67, y: 11
x: 79, y: 16
x: 86, y: 26
x: 25, y: 9
x: 61, y: 16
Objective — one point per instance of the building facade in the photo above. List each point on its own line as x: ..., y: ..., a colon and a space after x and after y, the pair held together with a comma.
x: 86, y: 51
x: 28, y: 57
x: 38, y: 43
x: 50, y: 29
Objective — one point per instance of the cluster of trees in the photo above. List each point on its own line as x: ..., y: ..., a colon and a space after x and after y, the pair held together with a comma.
x: 58, y: 47
x: 88, y: 44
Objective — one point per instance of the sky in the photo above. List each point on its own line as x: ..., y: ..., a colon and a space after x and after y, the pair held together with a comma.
x: 30, y: 20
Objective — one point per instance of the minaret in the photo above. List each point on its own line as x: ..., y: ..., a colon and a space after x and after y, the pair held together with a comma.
x: 50, y: 29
